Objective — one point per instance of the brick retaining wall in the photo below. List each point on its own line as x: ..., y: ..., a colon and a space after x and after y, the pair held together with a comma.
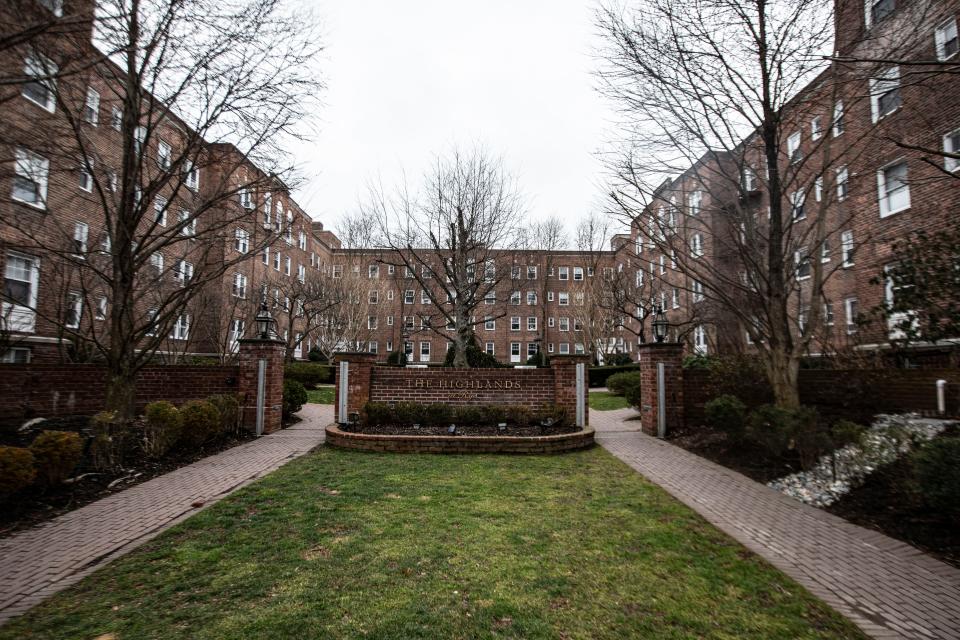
x: 28, y: 390
x: 460, y: 444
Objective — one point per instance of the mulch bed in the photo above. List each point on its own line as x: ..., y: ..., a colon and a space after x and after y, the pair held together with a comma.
x: 36, y: 504
x: 466, y: 430
x: 752, y: 462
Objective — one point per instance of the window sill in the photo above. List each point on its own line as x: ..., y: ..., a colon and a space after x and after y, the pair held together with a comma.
x: 894, y: 212
x: 32, y: 205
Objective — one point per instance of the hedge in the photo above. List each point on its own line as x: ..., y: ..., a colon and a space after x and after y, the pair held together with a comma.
x: 309, y: 374
x: 599, y: 375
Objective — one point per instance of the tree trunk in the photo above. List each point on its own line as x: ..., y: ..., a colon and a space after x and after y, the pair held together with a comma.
x: 121, y: 393
x: 783, y: 372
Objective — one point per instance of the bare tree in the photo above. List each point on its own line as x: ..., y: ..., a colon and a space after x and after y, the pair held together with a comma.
x: 546, y: 237
x: 201, y: 102
x: 450, y: 237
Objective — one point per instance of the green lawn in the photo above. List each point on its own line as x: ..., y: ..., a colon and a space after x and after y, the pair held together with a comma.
x: 606, y: 401
x: 347, y: 545
x: 323, y: 395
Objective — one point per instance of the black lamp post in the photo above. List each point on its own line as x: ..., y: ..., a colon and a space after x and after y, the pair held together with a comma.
x: 660, y: 324
x: 265, y: 322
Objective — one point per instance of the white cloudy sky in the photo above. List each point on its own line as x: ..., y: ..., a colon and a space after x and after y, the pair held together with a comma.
x: 408, y: 79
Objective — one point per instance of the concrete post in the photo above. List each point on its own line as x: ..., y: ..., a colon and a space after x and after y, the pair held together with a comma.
x: 670, y: 355
x: 251, y: 352
x: 360, y: 367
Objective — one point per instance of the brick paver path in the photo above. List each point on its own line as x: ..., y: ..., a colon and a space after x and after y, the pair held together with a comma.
x: 38, y: 562
x: 888, y: 588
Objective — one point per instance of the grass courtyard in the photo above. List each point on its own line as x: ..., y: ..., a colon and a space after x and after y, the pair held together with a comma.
x: 348, y: 545
x: 323, y: 395
x: 606, y: 401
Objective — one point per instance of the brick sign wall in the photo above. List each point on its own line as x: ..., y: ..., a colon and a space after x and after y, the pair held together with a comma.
x: 66, y: 389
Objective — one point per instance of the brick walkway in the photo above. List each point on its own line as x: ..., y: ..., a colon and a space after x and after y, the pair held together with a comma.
x: 888, y: 588
x: 38, y: 562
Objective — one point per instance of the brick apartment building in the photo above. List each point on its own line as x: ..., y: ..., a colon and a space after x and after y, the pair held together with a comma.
x: 227, y: 217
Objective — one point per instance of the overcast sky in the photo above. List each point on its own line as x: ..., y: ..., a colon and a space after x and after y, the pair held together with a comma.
x: 408, y: 79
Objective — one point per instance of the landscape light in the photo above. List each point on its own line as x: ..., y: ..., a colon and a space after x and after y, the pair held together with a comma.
x: 660, y: 324
x: 452, y: 430
x: 502, y: 426
x: 264, y: 322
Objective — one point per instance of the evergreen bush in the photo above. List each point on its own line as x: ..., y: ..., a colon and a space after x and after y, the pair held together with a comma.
x: 161, y: 429
x: 55, y: 455
x: 17, y: 470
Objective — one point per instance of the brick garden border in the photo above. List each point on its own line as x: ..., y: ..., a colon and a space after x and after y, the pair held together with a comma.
x: 560, y: 443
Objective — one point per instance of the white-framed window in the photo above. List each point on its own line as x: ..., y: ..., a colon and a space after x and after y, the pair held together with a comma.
x: 694, y: 202
x: 796, y: 205
x: 287, y: 263
x: 801, y: 259
x: 373, y: 347
x: 564, y: 348
x: 673, y: 258
x: 91, y: 107
x: 563, y: 299
x: 578, y: 347
x: 30, y: 182
x: 846, y: 248
x: 156, y: 263
x: 515, y: 272
x: 828, y: 318
x: 490, y: 297
x: 793, y: 147
x: 514, y: 297
x: 188, y: 224
x: 818, y: 189
x: 563, y: 273
x: 885, y: 93
x: 181, y: 328
x: 531, y: 349
x: 116, y: 117
x: 15, y: 355
x: 139, y: 138
x: 489, y: 324
x: 550, y: 347
x: 152, y: 322
x: 578, y: 298
x: 54, y: 6
x: 748, y: 179
x: 21, y: 281
x: 164, y: 154
x: 531, y: 323
x: 578, y: 273
x: 373, y: 271
x: 246, y: 198
x: 373, y: 296
x: 816, y: 128
x: 851, y: 311
x: 663, y: 264
x: 424, y: 296
x: 337, y: 271
x: 301, y: 273
x: 183, y: 271
x: 100, y: 313
x: 302, y: 241
x: 531, y: 298
x: 81, y: 231
x: 589, y: 272
x: 191, y: 176
x: 408, y: 296
x: 41, y: 88
x: 945, y: 37
x: 531, y: 272
x: 676, y: 298
x: 239, y: 285
x: 838, y: 113
x: 236, y: 333
x: 372, y: 322
x: 390, y: 323
x: 699, y: 340
x: 72, y: 310
x: 697, y: 291
x: 876, y: 10
x: 564, y: 324
x: 241, y: 240
x: 277, y: 259
x: 514, y: 323
x: 550, y: 296
x: 893, y: 190
x: 551, y: 322
x: 577, y: 325
x: 843, y: 185
x: 390, y: 294
x: 490, y: 348
x: 514, y: 352
x: 111, y: 180
x: 951, y: 144
x: 825, y: 250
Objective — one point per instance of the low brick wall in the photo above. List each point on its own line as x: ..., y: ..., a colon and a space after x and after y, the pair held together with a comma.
x: 856, y: 393
x: 28, y: 390
x: 460, y: 444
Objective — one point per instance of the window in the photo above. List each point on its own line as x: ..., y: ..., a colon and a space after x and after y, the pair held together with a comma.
x: 277, y: 259
x: 885, y: 93
x: 894, y: 192
x: 951, y: 144
x: 424, y: 351
x: 489, y: 271
x: 490, y: 297
x: 877, y: 10
x: 80, y: 233
x: 796, y: 205
x: 531, y: 298
x: 139, y: 138
x: 697, y: 291
x: 489, y: 324
x: 286, y: 265
x: 30, y: 181
x: 549, y: 296
x: 532, y: 349
x: 851, y: 311
x: 825, y: 250
x: 514, y: 273
x: 578, y: 347
x: 837, y: 119
x: 239, y: 285
x: 91, y: 107
x: 515, y: 297
x: 41, y: 87
x: 564, y: 273
x: 183, y: 271
x: 192, y: 176
x: 514, y: 352
x: 673, y: 258
x: 550, y: 347
x: 532, y: 272
x: 101, y: 310
x: 802, y: 260
x: 21, y: 279
x: 842, y: 183
x: 373, y: 271
x: 663, y: 264
x: 242, y: 240
x: 514, y: 323
x: 748, y: 179
x: 156, y: 261
x: 551, y: 322
x: 490, y: 348
x: 390, y: 324
x: 945, y: 37
x: 676, y: 298
x: 246, y: 198
x: 116, y: 118
x: 163, y: 155
x: 181, y: 328
x: 390, y: 294
x: 699, y: 340
x: 408, y: 296
x: 696, y: 251
x: 816, y: 129
x: 564, y: 299
x: 301, y: 273
x: 531, y: 323
x: 302, y: 241
x: 54, y: 6
x: 818, y: 189
x: 578, y: 273
x: 424, y: 296
x: 846, y: 248
x: 793, y: 148
x: 188, y: 224
x: 564, y: 324
x: 694, y: 201
x: 564, y: 348
x: 337, y: 271
x: 828, y: 314
x: 577, y: 325
x: 371, y: 322
x: 72, y: 309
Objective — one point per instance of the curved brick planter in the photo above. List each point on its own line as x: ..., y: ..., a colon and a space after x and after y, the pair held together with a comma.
x: 460, y: 444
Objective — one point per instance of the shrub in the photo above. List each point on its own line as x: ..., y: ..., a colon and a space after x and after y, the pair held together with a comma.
x: 315, y: 355
x: 539, y: 359
x: 632, y: 396
x: 397, y: 359
x: 469, y: 415
x: 618, y: 383
x: 308, y: 374
x: 697, y: 361
x: 518, y: 415
x: 844, y: 432
x: 294, y: 397
x: 598, y: 375
x: 477, y: 358
x: 162, y: 427
x: 779, y: 430
x: 618, y: 359
x: 109, y: 443
x: 555, y: 413
x: 201, y: 423
x: 55, y: 455
x: 726, y: 414
x: 229, y: 407
x: 377, y: 413
x: 17, y: 470
x: 938, y: 474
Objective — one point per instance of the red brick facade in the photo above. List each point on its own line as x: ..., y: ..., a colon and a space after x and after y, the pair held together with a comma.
x: 251, y: 353
x: 460, y: 444
x: 671, y: 355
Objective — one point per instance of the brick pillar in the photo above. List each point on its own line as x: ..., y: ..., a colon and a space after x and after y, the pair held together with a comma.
x: 251, y: 352
x: 565, y: 384
x: 671, y: 355
x: 358, y: 382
